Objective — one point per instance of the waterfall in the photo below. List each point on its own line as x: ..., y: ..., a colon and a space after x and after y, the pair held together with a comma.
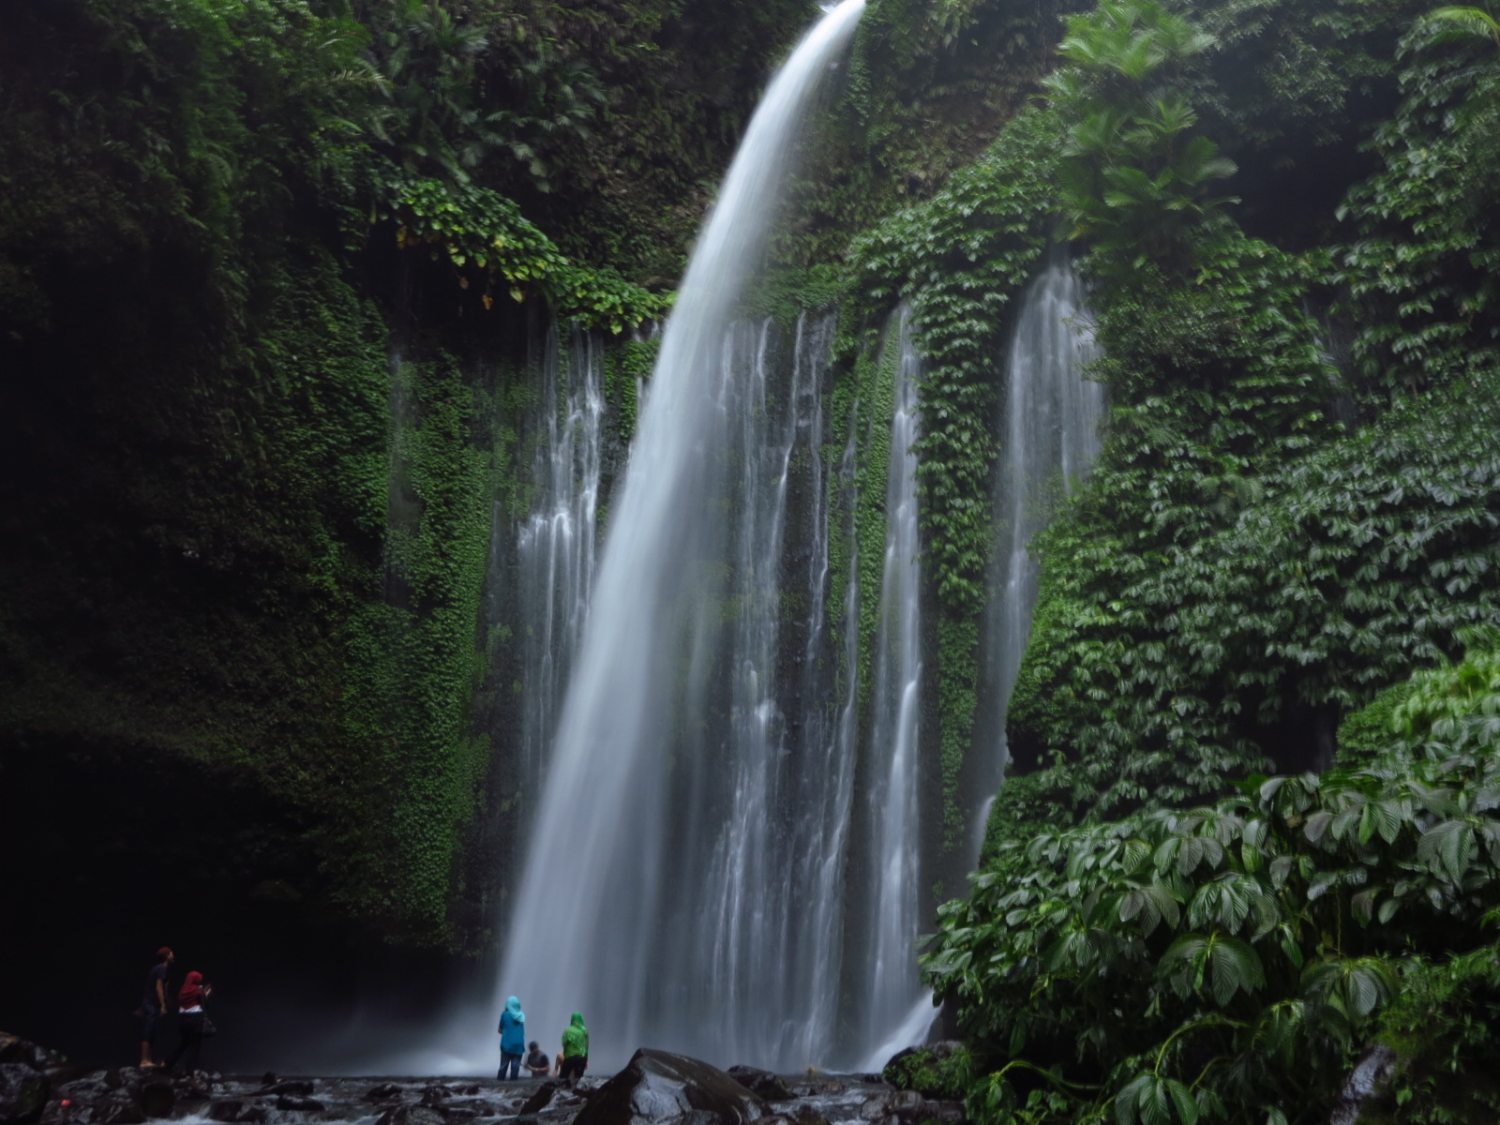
x: 759, y: 921
x: 890, y: 922
x: 556, y: 542
x: 639, y: 895
x: 828, y: 736
x: 1050, y: 430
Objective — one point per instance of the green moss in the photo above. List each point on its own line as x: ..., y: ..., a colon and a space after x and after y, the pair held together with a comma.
x: 786, y: 294
x: 958, y: 700
x: 944, y: 1074
x: 875, y: 407
x: 627, y: 366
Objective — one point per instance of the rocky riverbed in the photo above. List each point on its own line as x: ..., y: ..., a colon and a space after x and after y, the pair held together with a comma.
x: 655, y: 1088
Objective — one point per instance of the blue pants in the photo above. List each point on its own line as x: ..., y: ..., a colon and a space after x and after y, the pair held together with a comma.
x: 511, y: 1063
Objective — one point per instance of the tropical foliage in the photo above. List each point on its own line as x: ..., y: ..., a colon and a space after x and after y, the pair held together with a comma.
x: 259, y: 270
x: 1231, y: 961
x: 1281, y: 530
x: 1134, y: 174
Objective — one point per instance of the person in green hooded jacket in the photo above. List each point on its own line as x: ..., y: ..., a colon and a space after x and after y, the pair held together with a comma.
x: 575, y: 1050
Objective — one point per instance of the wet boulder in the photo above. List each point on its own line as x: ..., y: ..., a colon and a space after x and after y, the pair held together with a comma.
x: 944, y: 1113
x: 382, y: 1092
x: 1364, y: 1085
x: 157, y: 1099
x: 118, y: 1107
x: 411, y: 1115
x: 232, y: 1111
x: 23, y: 1092
x: 907, y: 1103
x: 435, y: 1096
x: 14, y: 1049
x: 81, y: 1091
x: 900, y: 1104
x: 198, y: 1086
x: 658, y: 1086
x: 762, y: 1082
x: 541, y: 1099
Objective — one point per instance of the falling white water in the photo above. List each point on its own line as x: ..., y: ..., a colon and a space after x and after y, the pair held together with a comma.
x: 758, y: 918
x: 891, y: 898
x: 644, y: 782
x: 1051, y: 434
x: 556, y: 542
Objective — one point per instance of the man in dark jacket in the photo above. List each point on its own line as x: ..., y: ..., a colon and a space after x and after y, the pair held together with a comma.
x: 154, y: 1004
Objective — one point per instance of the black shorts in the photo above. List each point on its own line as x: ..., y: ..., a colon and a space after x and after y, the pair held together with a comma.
x: 150, y: 1021
x: 574, y: 1067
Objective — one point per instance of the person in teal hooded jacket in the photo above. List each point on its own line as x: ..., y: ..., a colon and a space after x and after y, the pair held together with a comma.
x: 512, y: 1039
x: 575, y: 1050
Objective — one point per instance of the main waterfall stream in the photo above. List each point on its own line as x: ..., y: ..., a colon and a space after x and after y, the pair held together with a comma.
x: 659, y: 894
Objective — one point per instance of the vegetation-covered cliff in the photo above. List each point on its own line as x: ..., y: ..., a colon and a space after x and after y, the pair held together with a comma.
x: 270, y: 275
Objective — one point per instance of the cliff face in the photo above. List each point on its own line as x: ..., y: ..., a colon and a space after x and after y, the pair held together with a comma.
x: 276, y: 282
x: 253, y: 435
x: 263, y: 387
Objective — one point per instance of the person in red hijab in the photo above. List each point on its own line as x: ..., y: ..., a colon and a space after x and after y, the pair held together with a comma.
x: 192, y: 1021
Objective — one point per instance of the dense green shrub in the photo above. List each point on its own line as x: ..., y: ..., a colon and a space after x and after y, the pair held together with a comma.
x: 1228, y: 961
x: 1159, y: 672
x: 944, y: 1072
x: 1238, y: 574
x: 288, y: 529
x: 1421, y: 269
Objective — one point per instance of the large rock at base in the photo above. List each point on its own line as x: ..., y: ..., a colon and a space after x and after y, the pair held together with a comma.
x: 1365, y: 1083
x: 158, y: 1099
x: 658, y: 1086
x: 119, y: 1107
x: 23, y: 1092
x: 14, y: 1049
x: 539, y: 1100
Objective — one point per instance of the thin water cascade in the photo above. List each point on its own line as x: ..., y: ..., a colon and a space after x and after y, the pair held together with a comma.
x: 556, y: 543
x: 895, y: 1000
x: 637, y: 823
x: 1051, y: 434
x: 759, y: 924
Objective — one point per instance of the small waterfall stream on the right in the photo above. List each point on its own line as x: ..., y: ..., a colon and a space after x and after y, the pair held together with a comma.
x: 1050, y: 434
